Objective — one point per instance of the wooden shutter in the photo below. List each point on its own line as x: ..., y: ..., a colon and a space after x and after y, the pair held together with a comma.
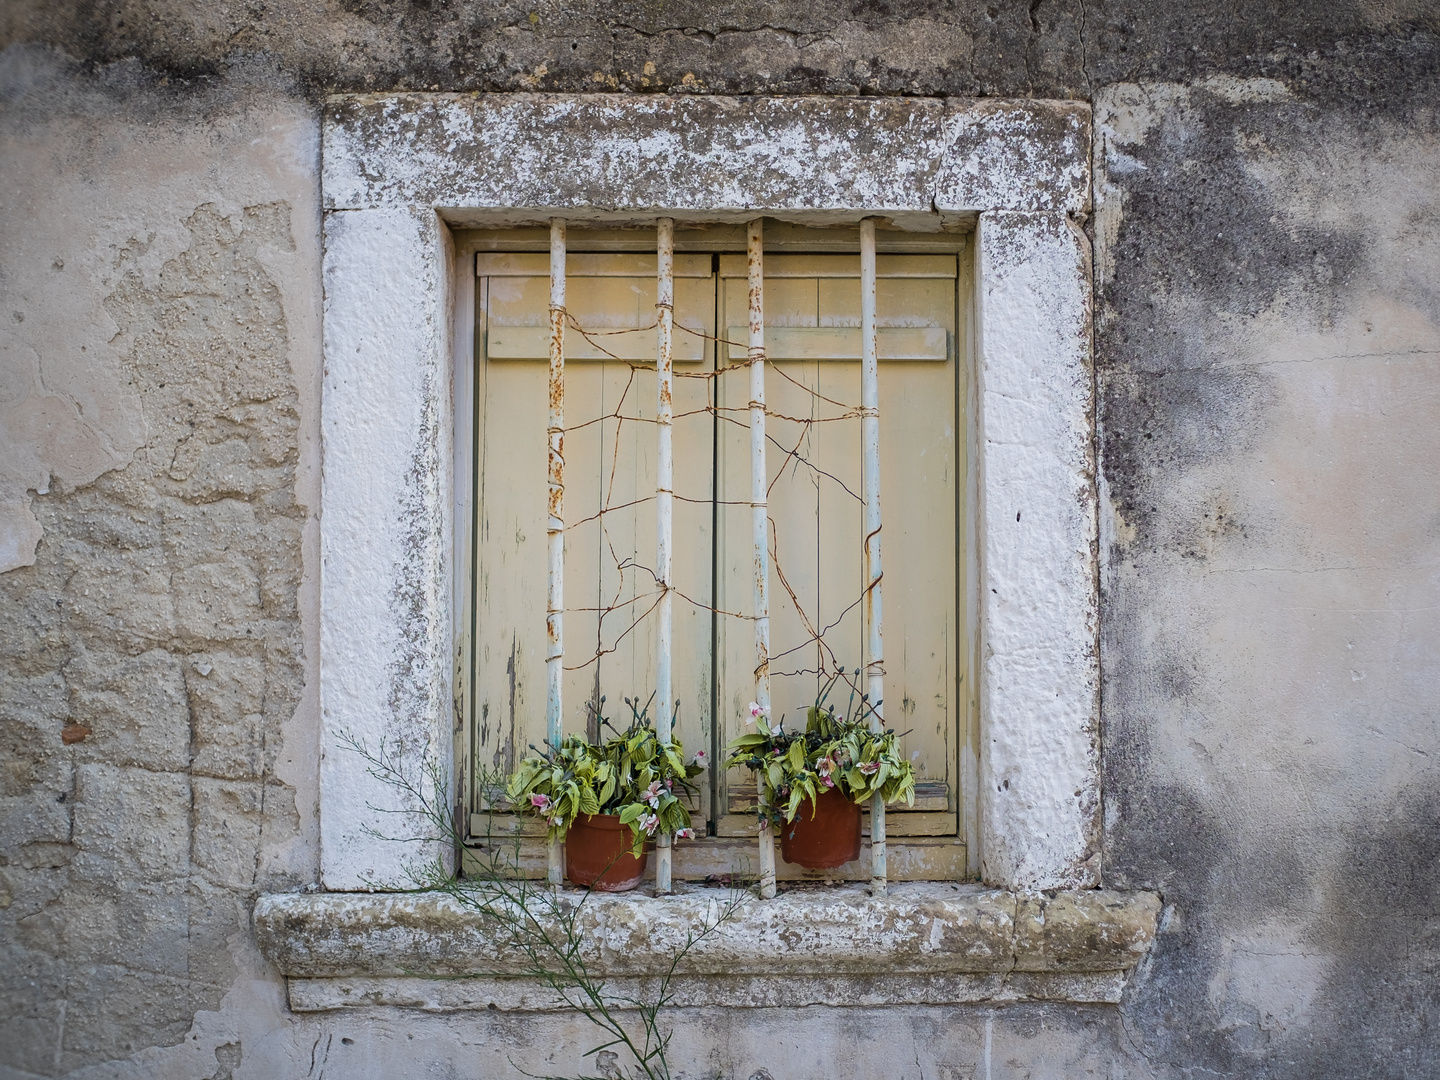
x: 812, y: 315
x: 608, y: 463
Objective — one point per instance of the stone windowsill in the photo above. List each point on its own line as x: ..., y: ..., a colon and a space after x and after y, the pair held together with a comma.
x: 924, y: 943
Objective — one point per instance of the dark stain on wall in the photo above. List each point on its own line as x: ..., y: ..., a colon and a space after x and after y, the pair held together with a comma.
x: 1340, y: 52
x: 1260, y: 874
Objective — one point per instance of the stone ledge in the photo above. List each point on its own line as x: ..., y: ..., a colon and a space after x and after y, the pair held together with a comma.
x: 924, y: 943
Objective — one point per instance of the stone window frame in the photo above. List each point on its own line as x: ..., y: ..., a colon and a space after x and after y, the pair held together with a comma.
x: 401, y: 170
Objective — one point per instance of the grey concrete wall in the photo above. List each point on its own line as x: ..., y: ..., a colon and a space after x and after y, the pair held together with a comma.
x: 1268, y: 336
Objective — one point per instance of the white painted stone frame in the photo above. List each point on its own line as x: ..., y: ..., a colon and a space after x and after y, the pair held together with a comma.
x: 398, y: 168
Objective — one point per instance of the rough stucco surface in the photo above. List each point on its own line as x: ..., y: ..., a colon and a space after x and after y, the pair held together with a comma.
x: 917, y: 927
x: 158, y: 754
x: 385, y: 630
x: 930, y: 943
x: 1270, y: 411
x: 600, y: 152
x: 1039, y: 804
x: 1266, y: 208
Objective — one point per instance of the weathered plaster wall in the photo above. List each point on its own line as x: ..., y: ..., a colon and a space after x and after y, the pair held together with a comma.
x: 1267, y: 338
x: 1270, y: 387
x: 158, y: 733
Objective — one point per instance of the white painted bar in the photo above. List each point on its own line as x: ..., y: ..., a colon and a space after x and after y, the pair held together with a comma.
x: 664, y: 499
x: 870, y: 433
x: 555, y: 521
x: 755, y: 255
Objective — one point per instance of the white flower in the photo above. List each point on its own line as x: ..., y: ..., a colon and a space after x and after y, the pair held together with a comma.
x: 685, y: 834
x: 756, y: 711
x: 700, y: 759
x: 648, y: 823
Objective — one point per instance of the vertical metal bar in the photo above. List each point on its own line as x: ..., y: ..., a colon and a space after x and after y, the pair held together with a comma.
x: 555, y: 519
x: 870, y: 431
x: 758, y: 516
x: 664, y: 500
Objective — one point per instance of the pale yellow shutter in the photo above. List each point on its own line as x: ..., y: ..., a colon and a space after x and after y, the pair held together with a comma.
x: 609, y: 463
x: 812, y: 315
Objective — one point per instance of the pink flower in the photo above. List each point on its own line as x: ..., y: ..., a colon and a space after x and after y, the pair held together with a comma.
x: 648, y: 822
x: 540, y: 802
x: 701, y: 759
x: 652, y: 795
x: 756, y: 711
x: 827, y: 781
x: 685, y: 834
x: 869, y: 768
x: 669, y: 784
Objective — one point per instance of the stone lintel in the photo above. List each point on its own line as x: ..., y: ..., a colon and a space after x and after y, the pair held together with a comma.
x: 593, y: 155
x: 924, y: 943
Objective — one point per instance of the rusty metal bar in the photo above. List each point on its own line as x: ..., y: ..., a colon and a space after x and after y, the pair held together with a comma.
x: 755, y: 250
x: 555, y: 519
x: 870, y: 433
x: 664, y: 500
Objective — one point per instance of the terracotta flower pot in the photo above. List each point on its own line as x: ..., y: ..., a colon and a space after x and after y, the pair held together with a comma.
x: 597, y: 854
x: 830, y: 838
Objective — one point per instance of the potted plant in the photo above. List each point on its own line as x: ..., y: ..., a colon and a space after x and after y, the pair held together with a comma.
x: 606, y: 800
x: 812, y: 783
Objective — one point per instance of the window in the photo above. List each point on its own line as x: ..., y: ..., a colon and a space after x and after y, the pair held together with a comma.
x: 408, y: 179
x: 812, y: 316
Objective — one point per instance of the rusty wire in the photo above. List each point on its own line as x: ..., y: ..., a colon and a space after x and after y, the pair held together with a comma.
x: 791, y: 458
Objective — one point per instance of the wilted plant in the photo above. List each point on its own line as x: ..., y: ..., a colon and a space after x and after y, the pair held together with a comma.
x: 837, y: 750
x: 631, y: 774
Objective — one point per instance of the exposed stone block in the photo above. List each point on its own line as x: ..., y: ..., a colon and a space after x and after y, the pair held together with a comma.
x: 131, y: 824
x: 135, y: 708
x: 125, y: 600
x: 217, y: 601
x: 229, y: 816
x: 112, y: 1012
x: 227, y: 699
x: 100, y: 921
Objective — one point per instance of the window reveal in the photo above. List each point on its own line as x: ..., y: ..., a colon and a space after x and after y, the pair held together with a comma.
x: 812, y: 328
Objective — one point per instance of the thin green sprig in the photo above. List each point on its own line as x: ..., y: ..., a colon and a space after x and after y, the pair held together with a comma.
x: 543, y: 929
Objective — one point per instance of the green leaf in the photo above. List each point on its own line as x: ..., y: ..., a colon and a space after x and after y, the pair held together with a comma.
x: 753, y: 738
x: 587, y: 801
x: 775, y: 774
x: 675, y: 760
x: 795, y: 757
